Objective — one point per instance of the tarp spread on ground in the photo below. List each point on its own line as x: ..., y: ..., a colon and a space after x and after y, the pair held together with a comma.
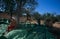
x: 4, y: 25
x: 27, y: 31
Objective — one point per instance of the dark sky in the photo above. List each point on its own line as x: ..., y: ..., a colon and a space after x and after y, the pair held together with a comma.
x: 48, y: 6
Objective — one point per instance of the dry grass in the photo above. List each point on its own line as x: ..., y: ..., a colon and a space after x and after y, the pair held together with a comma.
x: 56, y: 24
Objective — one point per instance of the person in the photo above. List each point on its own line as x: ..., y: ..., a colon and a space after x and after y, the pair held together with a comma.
x: 12, y: 25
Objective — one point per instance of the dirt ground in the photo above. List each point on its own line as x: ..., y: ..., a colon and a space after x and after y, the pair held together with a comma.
x: 56, y: 24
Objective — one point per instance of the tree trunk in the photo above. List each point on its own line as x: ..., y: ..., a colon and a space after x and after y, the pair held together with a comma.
x: 10, y: 15
x: 20, y: 5
x: 17, y: 17
x: 38, y: 20
x: 18, y: 13
x: 27, y: 17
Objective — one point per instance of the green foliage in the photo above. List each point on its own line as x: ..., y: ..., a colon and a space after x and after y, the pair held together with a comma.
x: 58, y: 17
x: 25, y: 4
x: 36, y: 15
x: 21, y: 6
x: 9, y: 5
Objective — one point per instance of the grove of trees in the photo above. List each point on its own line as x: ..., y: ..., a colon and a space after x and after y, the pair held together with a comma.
x: 20, y: 7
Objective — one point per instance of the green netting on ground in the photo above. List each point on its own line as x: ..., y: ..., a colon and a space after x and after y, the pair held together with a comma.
x: 4, y: 21
x: 26, y: 31
x: 31, y: 31
x: 4, y: 25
